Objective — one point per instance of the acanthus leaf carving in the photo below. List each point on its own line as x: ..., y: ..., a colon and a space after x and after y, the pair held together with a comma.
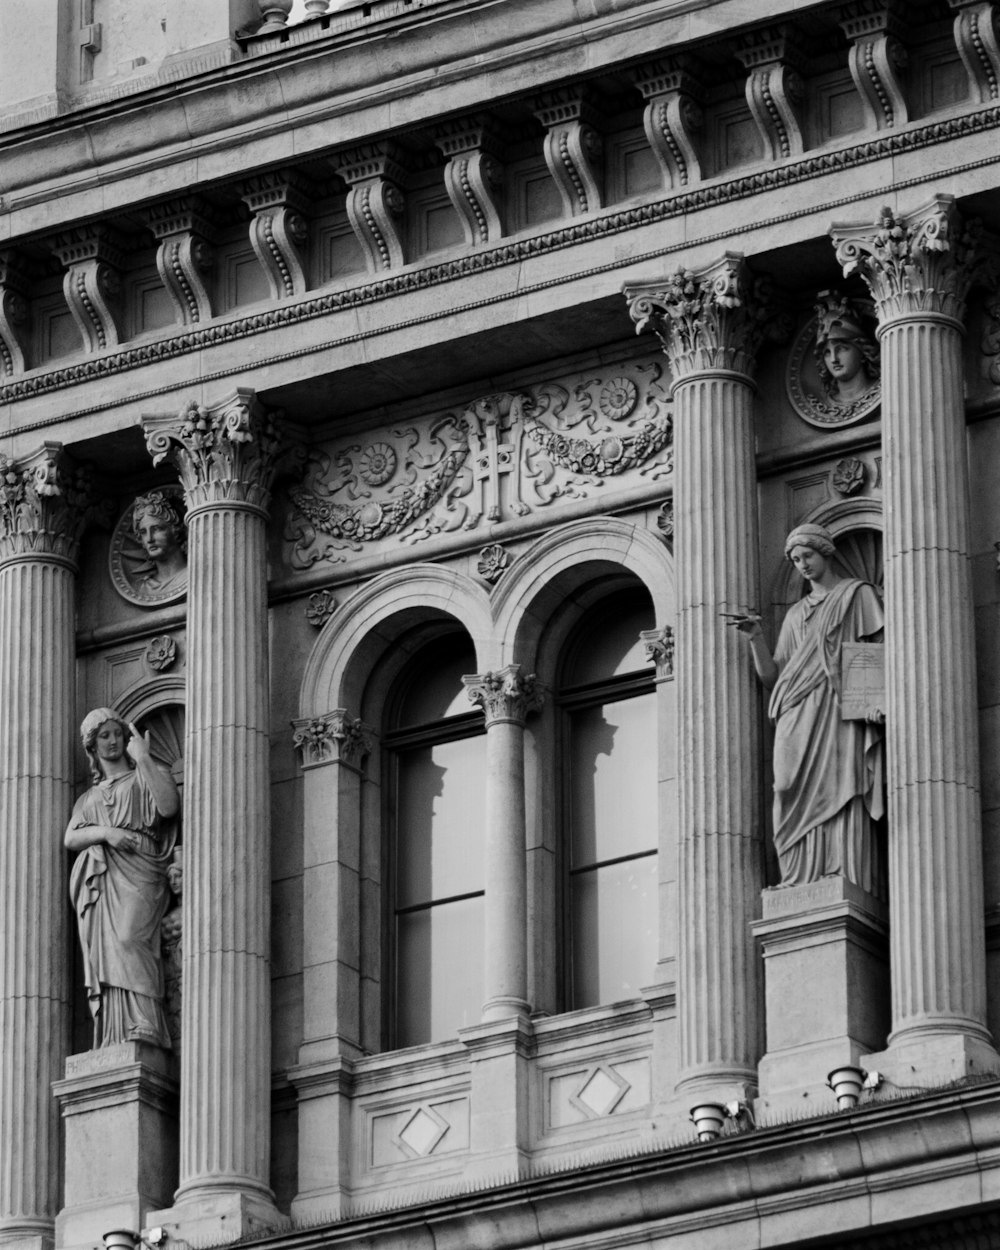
x: 227, y: 452
x: 46, y: 502
x: 334, y: 738
x: 715, y: 318
x: 505, y: 695
x: 659, y: 647
x: 919, y: 263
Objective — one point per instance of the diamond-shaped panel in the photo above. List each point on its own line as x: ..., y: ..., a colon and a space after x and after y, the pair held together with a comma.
x: 601, y: 1092
x: 422, y: 1131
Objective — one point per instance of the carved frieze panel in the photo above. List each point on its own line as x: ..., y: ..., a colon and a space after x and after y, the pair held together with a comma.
x: 499, y: 458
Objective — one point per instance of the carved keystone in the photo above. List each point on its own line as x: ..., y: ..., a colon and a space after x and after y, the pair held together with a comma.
x: 93, y: 256
x: 774, y: 88
x: 573, y: 146
x: 876, y: 59
x: 376, y: 174
x: 185, y: 229
x: 673, y: 94
x: 978, y: 46
x: 14, y: 313
x: 279, y: 229
x: 474, y: 175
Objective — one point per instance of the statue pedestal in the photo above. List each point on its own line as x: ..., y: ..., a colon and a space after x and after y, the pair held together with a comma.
x: 119, y: 1108
x: 827, y: 990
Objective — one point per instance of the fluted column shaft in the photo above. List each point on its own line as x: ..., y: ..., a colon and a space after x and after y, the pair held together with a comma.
x: 715, y: 511
x: 918, y: 270
x: 225, y: 457
x: 39, y: 528
x: 506, y: 697
x: 710, y: 323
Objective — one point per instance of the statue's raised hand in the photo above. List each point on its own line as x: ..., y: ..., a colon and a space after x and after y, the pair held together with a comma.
x: 138, y: 744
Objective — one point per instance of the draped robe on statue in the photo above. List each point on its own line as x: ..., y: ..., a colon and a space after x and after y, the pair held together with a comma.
x: 120, y: 898
x: 828, y: 772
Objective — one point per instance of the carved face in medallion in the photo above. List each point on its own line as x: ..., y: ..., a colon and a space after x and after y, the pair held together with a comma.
x: 148, y: 560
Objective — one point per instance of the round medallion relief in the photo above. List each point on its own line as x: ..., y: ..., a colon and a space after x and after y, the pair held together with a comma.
x: 833, y: 370
x: 148, y: 557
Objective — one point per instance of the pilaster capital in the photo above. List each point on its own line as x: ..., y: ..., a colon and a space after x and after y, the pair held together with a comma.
x: 917, y: 264
x: 505, y: 695
x: 659, y: 645
x: 225, y: 454
x: 710, y: 320
x: 45, y: 504
x: 333, y: 738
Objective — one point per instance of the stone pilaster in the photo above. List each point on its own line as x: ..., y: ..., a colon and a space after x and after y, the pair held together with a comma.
x: 709, y: 323
x: 507, y: 697
x: 43, y: 508
x: 918, y: 269
x: 226, y: 457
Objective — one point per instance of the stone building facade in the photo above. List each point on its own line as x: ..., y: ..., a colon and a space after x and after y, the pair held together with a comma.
x: 476, y: 349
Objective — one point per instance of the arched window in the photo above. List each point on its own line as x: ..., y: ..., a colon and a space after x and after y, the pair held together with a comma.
x: 608, y: 729
x: 436, y: 771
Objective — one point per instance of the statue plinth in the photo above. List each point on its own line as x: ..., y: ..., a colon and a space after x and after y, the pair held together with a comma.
x: 119, y: 1108
x: 826, y: 973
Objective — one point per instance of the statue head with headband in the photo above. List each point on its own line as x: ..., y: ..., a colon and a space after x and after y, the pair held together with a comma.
x: 815, y: 537
x: 847, y: 356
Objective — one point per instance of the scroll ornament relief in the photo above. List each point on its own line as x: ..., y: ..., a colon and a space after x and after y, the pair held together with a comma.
x: 504, y: 456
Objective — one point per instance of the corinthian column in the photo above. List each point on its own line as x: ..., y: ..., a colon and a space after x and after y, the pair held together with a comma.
x: 225, y: 456
x: 42, y: 514
x: 918, y: 269
x: 506, y: 697
x: 709, y: 323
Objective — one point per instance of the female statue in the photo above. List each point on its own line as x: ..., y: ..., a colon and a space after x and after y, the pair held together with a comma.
x: 828, y: 772
x: 124, y: 828
x: 159, y: 529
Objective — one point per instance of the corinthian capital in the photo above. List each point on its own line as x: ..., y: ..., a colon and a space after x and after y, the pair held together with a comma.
x: 335, y: 737
x: 920, y: 263
x: 505, y: 695
x: 226, y: 453
x: 708, y: 320
x: 45, y: 503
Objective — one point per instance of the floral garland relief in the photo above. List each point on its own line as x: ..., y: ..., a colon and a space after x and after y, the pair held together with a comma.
x: 504, y: 456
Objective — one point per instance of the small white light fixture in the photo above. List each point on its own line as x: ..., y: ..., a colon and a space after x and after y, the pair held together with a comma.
x: 872, y: 1081
x: 120, y: 1239
x: 154, y: 1236
x: 846, y: 1084
x: 708, y: 1119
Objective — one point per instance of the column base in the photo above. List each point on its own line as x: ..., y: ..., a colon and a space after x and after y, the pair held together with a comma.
x: 932, y: 1057
x: 119, y: 1108
x: 22, y: 1236
x: 826, y: 981
x: 216, y: 1219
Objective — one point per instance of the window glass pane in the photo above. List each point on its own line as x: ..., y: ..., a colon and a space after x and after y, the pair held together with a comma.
x: 613, y: 914
x: 439, y: 820
x: 439, y: 971
x: 610, y: 645
x: 613, y: 780
x: 435, y: 689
